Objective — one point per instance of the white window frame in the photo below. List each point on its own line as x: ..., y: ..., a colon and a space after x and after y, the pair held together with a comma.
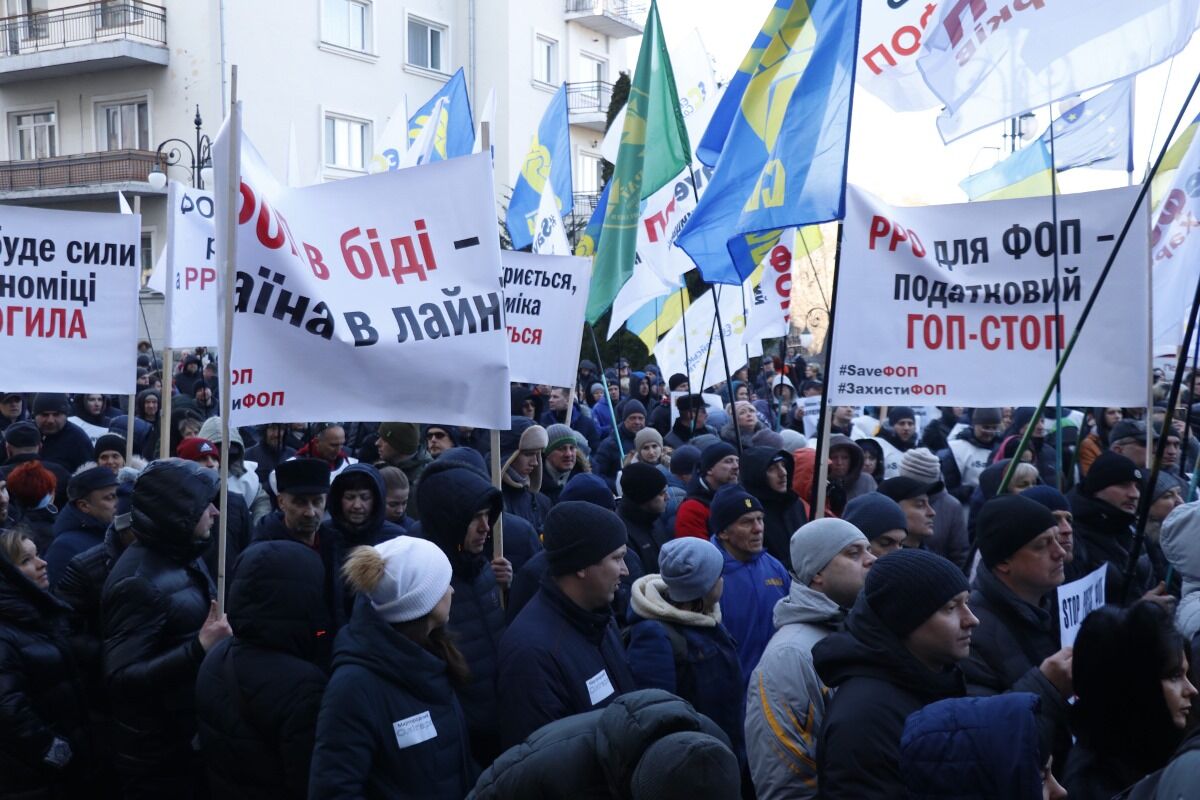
x: 585, y: 55
x: 444, y: 52
x: 555, y: 78
x: 99, y: 102
x: 368, y: 51
x: 336, y: 170
x: 585, y: 156
x: 11, y: 128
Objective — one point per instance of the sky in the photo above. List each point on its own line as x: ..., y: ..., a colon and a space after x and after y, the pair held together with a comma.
x: 900, y: 156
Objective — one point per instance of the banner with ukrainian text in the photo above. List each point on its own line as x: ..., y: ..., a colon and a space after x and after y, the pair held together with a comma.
x: 961, y: 302
x: 544, y: 298
x: 68, y: 300
x: 372, y: 298
x: 190, y: 272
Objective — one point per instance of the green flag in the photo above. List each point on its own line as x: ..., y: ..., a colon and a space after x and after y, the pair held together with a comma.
x: 654, y: 149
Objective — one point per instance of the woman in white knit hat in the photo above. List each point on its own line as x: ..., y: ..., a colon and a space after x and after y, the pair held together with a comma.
x: 390, y: 723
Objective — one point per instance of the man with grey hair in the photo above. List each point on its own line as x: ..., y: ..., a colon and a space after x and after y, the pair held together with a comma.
x: 785, y: 702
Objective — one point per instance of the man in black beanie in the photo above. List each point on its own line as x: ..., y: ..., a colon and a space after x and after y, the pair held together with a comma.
x: 1016, y: 646
x: 904, y: 638
x: 719, y: 465
x: 63, y: 442
x: 643, y: 501
x: 562, y: 654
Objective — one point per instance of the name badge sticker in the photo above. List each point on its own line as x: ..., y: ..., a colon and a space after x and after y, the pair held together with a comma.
x: 415, y: 730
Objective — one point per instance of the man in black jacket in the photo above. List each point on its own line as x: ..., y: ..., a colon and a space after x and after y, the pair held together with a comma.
x: 22, y: 443
x: 63, y: 442
x: 643, y: 501
x: 159, y: 619
x: 258, y: 692
x: 903, y: 640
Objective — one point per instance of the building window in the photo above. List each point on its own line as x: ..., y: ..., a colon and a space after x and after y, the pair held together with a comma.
x: 124, y: 125
x: 147, y: 253
x: 545, y: 60
x: 119, y: 13
x: 347, y: 142
x: 426, y: 44
x: 32, y: 135
x: 590, y: 177
x: 593, y: 69
x: 346, y: 23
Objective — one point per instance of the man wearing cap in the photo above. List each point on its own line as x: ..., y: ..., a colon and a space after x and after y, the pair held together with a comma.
x: 950, y: 520
x: 643, y: 501
x: 1104, y: 507
x: 754, y: 579
x: 439, y: 439
x: 92, y: 504
x: 881, y: 520
x: 399, y: 445
x: 677, y: 642
x: 896, y: 438
x: 785, y: 702
x: 719, y: 465
x: 691, y: 422
x: 521, y: 450
x: 12, y: 409
x: 562, y: 654
x: 303, y: 485
x: 579, y: 421
x: 63, y: 442
x: 1015, y: 647
x: 904, y: 638
x: 606, y: 460
x: 561, y: 460
x: 159, y: 619
x: 22, y: 443
x: 913, y: 497
x: 270, y: 450
x: 1128, y: 438
x: 969, y: 453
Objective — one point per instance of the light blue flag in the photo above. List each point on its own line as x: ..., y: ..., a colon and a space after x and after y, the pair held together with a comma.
x: 783, y: 163
x: 586, y: 246
x: 1025, y: 173
x: 455, y: 135
x: 1097, y: 132
x: 551, y: 147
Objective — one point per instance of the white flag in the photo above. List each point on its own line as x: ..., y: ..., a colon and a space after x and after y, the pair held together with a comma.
x: 1175, y: 253
x: 988, y: 60
x: 889, y: 41
x: 393, y: 144
x: 549, y: 237
x: 422, y: 148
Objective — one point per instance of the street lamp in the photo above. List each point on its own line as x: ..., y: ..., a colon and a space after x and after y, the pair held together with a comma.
x: 169, y: 154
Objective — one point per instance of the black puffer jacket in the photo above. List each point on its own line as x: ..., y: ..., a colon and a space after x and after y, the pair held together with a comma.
x: 258, y: 693
x: 154, y: 603
x: 783, y: 513
x: 376, y: 529
x: 1104, y: 537
x: 878, y: 684
x: 41, y: 693
x: 593, y: 754
x: 645, y: 533
x: 329, y: 546
x: 390, y: 724
x: 451, y: 494
x: 83, y: 580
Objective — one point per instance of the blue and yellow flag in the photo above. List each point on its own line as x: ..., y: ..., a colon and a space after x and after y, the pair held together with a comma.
x: 1097, y: 132
x: 657, y: 317
x: 455, y: 135
x: 586, y: 246
x: 551, y: 146
x: 782, y: 163
x: 1026, y: 173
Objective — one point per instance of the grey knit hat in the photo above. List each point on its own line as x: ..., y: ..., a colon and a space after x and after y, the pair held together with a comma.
x: 690, y: 567
x: 815, y: 544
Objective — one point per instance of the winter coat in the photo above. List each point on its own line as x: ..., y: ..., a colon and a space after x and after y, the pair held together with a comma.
x: 376, y: 529
x: 390, y: 724
x: 329, y: 547
x: 153, y: 605
x: 1090, y: 774
x: 238, y: 535
x: 557, y: 659
x: 528, y: 504
x: 554, y: 481
x: 266, y: 458
x: 683, y: 432
x: 453, y: 495
x: 74, y: 532
x: 963, y: 460
x: 786, y: 701
x: 70, y: 448
x: 877, y: 684
x: 689, y: 654
x: 592, y: 755
x: 528, y: 580
x: 1104, y: 537
x: 692, y: 517
x: 855, y: 483
x: 783, y: 513
x: 258, y: 692
x: 971, y: 749
x: 949, y: 529
x: 606, y: 459
x: 82, y: 581
x: 645, y: 533
x: 1007, y: 649
x: 41, y: 693
x: 38, y: 523
x: 752, y: 588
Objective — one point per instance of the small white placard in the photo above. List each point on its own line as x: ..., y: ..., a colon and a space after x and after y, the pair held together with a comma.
x: 599, y: 687
x: 414, y: 730
x: 1076, y: 600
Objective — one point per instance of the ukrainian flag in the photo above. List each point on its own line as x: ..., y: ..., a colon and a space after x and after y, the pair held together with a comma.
x: 657, y: 317
x: 1026, y: 173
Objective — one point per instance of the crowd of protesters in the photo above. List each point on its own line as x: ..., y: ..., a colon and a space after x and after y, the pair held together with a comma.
x: 667, y: 617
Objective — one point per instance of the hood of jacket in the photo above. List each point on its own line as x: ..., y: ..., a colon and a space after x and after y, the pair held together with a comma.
x: 807, y: 606
x: 856, y: 458
x: 139, y: 403
x: 649, y: 601
x: 636, y: 720
x: 868, y: 649
x: 22, y: 603
x: 754, y: 463
x: 277, y: 600
x: 337, y: 488
x: 451, y: 494
x: 168, y: 499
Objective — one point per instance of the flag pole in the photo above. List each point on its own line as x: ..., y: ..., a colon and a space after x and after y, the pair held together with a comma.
x: 1058, y: 408
x: 1095, y: 293
x: 164, y: 405
x: 129, y: 421
x: 818, y: 502
x: 612, y: 410
x: 228, y: 269
x: 728, y: 377
x: 485, y: 135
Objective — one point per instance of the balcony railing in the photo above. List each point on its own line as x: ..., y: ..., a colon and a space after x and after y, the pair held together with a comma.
x: 83, y: 169
x: 87, y: 23
x: 584, y: 204
x: 590, y: 97
x: 633, y: 10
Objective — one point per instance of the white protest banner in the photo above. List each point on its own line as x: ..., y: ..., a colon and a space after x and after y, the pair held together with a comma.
x: 889, y: 39
x: 544, y: 301
x: 190, y: 290
x: 1176, y: 253
x: 702, y: 360
x: 1076, y: 600
x: 955, y: 304
x: 68, y: 300
x: 373, y: 298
